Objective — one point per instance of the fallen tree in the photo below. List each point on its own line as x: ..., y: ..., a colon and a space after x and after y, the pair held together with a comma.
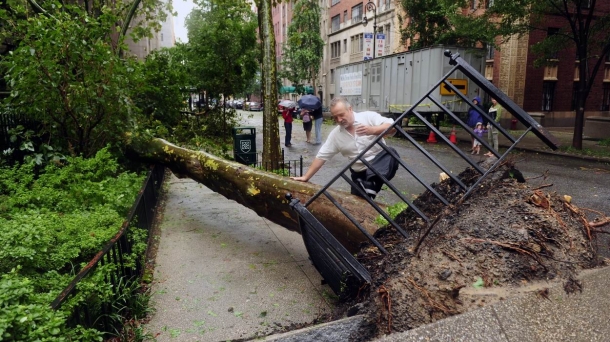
x: 261, y: 191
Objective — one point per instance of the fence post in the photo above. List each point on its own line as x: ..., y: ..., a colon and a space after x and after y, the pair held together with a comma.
x: 301, y: 166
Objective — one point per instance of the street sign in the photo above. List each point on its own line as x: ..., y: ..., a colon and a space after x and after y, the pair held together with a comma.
x: 460, y: 84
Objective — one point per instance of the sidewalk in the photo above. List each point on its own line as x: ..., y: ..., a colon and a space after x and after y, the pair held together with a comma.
x: 224, y: 273
x: 531, y: 142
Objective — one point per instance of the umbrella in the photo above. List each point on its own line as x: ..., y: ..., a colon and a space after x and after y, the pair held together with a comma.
x: 310, y: 102
x: 288, y: 104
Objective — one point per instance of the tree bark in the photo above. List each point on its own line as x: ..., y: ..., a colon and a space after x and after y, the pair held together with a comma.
x: 271, y: 129
x: 261, y: 191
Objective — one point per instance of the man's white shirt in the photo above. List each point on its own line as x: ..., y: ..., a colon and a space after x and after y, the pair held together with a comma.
x: 341, y: 141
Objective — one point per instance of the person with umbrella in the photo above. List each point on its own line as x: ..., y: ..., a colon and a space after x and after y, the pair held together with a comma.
x: 314, y: 108
x: 287, y: 115
x: 355, y: 132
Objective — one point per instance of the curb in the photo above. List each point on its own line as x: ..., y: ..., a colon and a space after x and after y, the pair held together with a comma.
x: 535, y: 150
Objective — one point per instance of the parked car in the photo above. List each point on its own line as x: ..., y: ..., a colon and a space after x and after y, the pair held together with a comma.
x: 239, y: 104
x: 255, y: 106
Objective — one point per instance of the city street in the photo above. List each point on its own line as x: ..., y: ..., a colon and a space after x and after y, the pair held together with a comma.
x: 587, y: 182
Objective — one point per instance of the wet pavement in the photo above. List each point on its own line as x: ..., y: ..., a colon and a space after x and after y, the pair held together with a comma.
x: 223, y: 273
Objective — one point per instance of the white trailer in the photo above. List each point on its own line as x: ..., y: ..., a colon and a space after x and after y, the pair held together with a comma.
x: 394, y: 83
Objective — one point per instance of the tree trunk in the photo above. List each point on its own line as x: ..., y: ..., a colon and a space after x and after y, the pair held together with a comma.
x: 261, y: 191
x: 271, y: 129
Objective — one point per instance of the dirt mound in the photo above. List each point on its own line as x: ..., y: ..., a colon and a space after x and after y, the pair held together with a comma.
x: 507, y: 237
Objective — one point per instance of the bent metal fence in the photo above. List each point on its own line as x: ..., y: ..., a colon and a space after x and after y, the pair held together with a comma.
x: 332, y: 260
x: 100, y: 310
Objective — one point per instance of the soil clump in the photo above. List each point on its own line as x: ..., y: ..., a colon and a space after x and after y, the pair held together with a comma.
x: 507, y: 237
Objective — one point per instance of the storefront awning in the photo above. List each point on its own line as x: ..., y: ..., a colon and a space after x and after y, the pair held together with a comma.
x: 291, y: 89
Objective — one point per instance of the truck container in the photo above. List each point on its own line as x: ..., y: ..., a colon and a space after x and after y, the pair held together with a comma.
x: 392, y: 84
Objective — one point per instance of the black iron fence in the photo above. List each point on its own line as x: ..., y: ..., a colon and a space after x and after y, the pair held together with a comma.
x: 290, y: 168
x: 9, y: 121
x: 327, y: 262
x: 101, y: 309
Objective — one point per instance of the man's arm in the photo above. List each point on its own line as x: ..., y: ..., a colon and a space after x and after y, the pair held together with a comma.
x: 313, y: 168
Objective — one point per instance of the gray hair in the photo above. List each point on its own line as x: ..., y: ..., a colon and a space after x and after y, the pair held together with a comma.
x: 340, y: 99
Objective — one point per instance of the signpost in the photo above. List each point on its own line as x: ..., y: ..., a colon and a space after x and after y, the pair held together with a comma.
x: 460, y: 84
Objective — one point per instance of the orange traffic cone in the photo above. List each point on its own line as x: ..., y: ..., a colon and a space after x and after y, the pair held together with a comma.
x: 431, y: 138
x: 452, y: 137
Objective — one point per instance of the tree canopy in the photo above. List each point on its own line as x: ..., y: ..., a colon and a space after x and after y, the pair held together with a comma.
x: 303, y: 51
x: 222, y: 46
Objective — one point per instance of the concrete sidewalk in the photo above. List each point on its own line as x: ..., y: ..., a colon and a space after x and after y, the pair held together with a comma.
x: 532, y: 143
x: 224, y: 273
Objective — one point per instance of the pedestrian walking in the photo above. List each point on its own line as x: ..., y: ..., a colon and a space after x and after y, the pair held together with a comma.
x: 307, y: 123
x: 495, y: 113
x: 479, y: 131
x: 287, y: 115
x: 474, y: 116
x: 313, y: 106
x: 356, y: 131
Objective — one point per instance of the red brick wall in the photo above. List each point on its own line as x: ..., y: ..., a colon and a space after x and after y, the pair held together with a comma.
x: 343, y: 5
x: 565, y: 78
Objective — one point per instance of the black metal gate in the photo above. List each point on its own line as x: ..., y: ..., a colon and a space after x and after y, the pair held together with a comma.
x: 330, y: 259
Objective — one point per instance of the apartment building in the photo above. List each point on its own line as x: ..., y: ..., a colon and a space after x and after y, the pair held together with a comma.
x: 163, y: 38
x: 548, y: 93
x: 355, y: 30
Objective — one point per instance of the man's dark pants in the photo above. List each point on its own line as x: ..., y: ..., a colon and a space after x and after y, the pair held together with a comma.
x: 383, y: 163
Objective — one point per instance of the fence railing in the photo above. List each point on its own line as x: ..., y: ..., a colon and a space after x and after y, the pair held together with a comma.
x: 329, y: 262
x: 9, y: 121
x: 126, y: 268
x: 288, y: 168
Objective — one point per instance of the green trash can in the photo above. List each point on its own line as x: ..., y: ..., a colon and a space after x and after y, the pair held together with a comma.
x: 244, y: 145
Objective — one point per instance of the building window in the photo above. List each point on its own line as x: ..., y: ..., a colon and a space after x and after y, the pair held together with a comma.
x: 357, y: 14
x: 473, y: 4
x: 586, y: 4
x: 357, y: 42
x: 548, y: 95
x: 491, y: 51
x: 606, y: 97
x: 345, y: 16
x: 161, y: 36
x: 551, y: 31
x: 334, y: 2
x: 387, y: 44
x: 489, y: 3
x: 335, y: 49
x: 574, y: 96
x: 335, y: 23
x: 332, y: 76
x: 344, y: 45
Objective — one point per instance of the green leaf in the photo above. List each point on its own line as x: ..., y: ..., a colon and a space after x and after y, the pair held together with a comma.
x: 479, y: 284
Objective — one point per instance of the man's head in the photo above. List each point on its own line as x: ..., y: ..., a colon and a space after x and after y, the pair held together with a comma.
x: 341, y: 111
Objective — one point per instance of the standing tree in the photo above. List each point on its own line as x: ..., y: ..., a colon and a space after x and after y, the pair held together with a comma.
x: 271, y: 127
x: 222, y: 46
x: 456, y: 22
x: 303, y: 53
x: 65, y: 69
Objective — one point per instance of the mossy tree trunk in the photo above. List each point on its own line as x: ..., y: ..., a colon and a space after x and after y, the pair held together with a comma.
x: 263, y: 192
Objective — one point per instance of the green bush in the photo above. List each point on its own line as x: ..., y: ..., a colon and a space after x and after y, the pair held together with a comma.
x: 54, y: 223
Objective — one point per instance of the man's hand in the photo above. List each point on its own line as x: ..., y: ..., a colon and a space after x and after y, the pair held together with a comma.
x: 300, y: 179
x: 361, y: 129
